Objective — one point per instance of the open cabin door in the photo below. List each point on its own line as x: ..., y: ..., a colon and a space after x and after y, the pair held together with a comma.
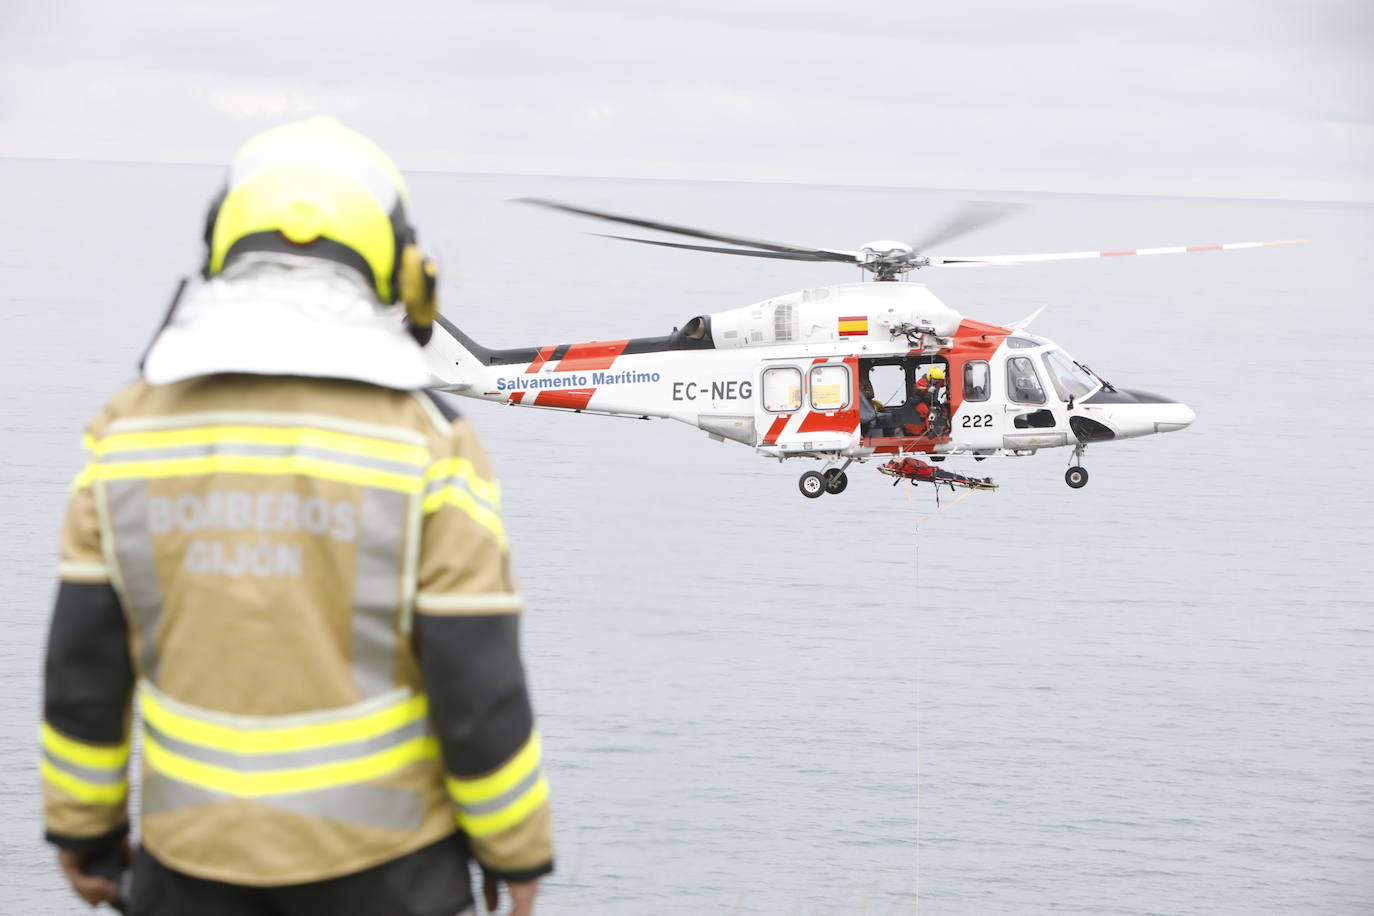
x: 898, y: 407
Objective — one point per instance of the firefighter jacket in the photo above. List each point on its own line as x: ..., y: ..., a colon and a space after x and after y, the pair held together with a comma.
x: 305, y: 585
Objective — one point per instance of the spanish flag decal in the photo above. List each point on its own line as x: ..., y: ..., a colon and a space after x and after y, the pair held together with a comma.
x: 854, y: 326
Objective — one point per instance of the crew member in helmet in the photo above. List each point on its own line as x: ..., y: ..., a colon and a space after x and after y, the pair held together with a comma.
x: 297, y: 555
x: 931, y: 400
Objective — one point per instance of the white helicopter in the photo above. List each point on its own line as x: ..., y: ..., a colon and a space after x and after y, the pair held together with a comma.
x: 794, y: 376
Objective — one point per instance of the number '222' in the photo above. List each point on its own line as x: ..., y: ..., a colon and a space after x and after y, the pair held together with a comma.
x: 977, y: 419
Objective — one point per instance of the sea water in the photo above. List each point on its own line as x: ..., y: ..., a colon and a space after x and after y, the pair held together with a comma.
x: 1154, y: 695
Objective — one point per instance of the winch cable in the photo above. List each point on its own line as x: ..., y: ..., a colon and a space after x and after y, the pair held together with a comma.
x: 917, y: 581
x: 917, y: 691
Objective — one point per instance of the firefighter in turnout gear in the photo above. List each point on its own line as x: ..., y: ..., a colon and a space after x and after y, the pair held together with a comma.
x: 287, y: 559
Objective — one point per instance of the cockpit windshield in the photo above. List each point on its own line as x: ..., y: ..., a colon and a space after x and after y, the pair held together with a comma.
x: 1069, y: 380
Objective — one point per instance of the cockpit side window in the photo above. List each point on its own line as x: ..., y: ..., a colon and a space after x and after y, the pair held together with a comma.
x: 977, y: 380
x: 1069, y: 380
x: 1023, y: 385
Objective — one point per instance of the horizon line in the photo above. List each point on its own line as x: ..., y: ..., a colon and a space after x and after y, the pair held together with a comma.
x: 816, y: 184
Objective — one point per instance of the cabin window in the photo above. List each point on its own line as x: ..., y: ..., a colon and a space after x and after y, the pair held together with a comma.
x: 977, y: 380
x: 1023, y: 385
x: 830, y: 387
x: 782, y: 387
x: 1021, y: 343
x: 1068, y: 380
x: 889, y: 384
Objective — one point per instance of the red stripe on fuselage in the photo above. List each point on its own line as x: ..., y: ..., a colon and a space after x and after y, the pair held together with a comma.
x: 593, y: 355
x: 517, y: 397
x: 541, y: 359
x: 776, y: 429
x: 568, y: 398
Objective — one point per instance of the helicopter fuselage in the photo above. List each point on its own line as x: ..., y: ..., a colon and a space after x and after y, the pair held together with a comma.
x: 801, y: 375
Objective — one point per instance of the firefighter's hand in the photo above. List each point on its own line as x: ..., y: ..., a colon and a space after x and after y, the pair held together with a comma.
x: 521, y: 895
x: 93, y: 889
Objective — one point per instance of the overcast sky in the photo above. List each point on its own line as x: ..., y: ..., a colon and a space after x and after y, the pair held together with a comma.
x: 1224, y: 98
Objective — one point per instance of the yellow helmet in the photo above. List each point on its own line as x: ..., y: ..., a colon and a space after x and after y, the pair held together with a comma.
x: 317, y: 188
x: 935, y: 373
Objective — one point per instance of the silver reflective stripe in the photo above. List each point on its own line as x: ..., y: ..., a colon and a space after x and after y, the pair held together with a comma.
x: 383, y: 807
x: 127, y: 509
x: 283, y: 760
x: 474, y: 604
x: 230, y: 447
x: 103, y: 777
x: 74, y: 571
x: 496, y: 803
x: 377, y: 589
x: 266, y: 418
x: 395, y: 697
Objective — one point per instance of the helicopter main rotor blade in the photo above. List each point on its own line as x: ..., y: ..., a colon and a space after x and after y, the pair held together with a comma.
x: 994, y: 259
x: 821, y: 254
x: 786, y: 255
x: 973, y: 214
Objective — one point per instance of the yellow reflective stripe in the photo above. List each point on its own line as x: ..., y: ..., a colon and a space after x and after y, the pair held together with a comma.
x: 278, y: 739
x: 488, y: 824
x: 489, y: 491
x: 88, y: 792
x: 94, y: 756
x: 264, y: 435
x: 479, y: 498
x: 258, y: 464
x: 474, y: 791
x: 83, y: 478
x: 87, y: 442
x: 455, y: 496
x: 287, y: 781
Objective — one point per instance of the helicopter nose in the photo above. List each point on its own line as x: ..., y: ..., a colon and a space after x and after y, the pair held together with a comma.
x: 1174, y: 416
x: 1128, y: 414
x: 1152, y: 413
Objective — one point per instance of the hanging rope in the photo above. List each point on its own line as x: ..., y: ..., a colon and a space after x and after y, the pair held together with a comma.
x: 938, y: 512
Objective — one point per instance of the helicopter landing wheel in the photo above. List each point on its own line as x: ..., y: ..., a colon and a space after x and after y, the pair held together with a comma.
x: 835, y: 481
x: 812, y: 485
x: 1076, y: 477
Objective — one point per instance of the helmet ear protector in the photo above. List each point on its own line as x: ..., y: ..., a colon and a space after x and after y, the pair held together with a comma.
x: 414, y: 276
